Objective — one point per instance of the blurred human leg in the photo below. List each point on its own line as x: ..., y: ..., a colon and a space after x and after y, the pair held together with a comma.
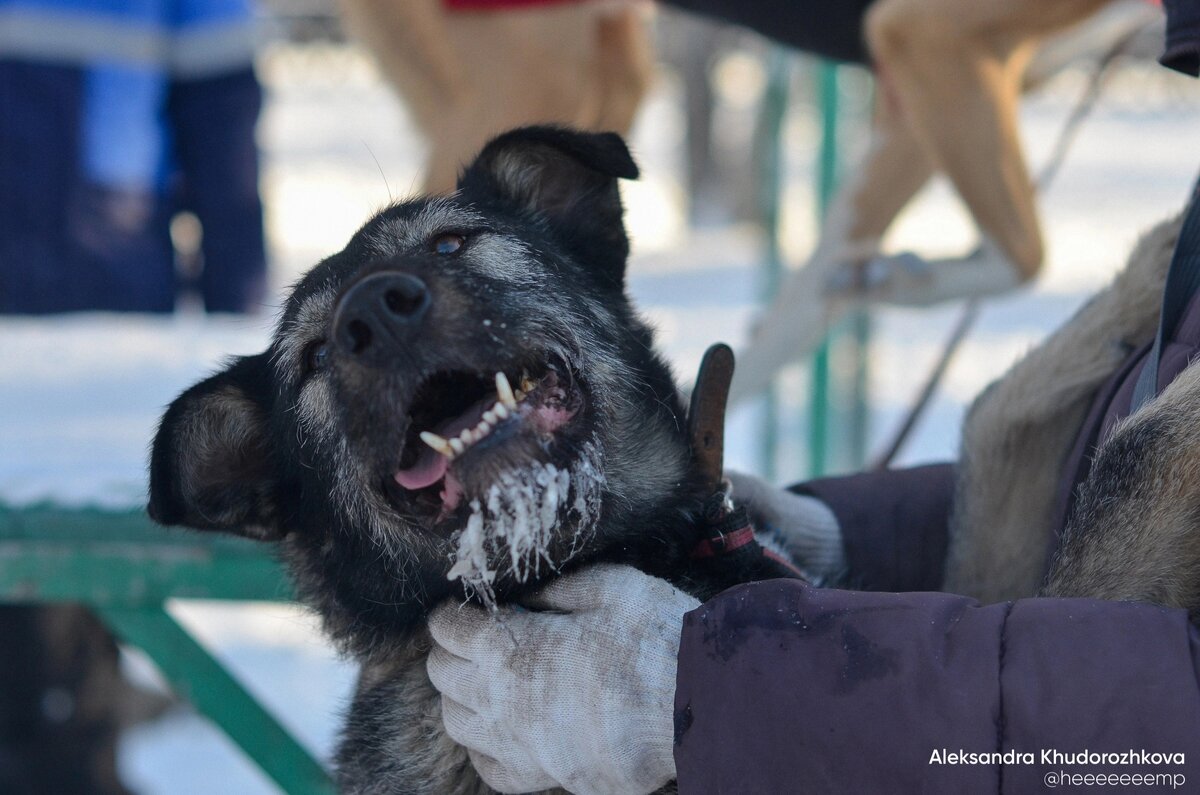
x: 212, y: 121
x: 956, y: 66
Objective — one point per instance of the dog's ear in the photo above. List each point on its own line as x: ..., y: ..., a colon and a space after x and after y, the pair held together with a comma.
x: 210, y: 466
x: 568, y: 178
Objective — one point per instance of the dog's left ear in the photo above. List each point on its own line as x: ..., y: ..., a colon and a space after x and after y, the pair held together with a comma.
x: 568, y: 178
x: 211, y: 462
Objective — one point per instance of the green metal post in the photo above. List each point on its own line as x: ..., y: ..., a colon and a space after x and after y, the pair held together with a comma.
x: 838, y: 413
x: 771, y: 166
x: 195, y: 675
x: 859, y: 420
x: 827, y: 176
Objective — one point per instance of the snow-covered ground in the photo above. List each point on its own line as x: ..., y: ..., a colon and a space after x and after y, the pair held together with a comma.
x: 79, y: 396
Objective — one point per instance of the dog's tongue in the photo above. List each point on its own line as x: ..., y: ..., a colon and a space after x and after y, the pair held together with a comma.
x: 429, y: 469
x: 431, y: 465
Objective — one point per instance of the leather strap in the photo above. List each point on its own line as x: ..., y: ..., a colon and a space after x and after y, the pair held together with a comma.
x: 728, y: 537
x: 706, y: 416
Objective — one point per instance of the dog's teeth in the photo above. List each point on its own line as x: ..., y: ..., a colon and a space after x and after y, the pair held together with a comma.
x: 482, y: 429
x: 528, y: 384
x: 520, y: 395
x: 490, y: 417
x: 504, y: 391
x: 437, y: 443
x: 468, y: 436
x: 501, y: 411
x: 457, y: 445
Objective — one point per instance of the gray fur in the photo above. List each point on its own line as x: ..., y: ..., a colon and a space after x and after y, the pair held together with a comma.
x: 1019, y: 432
x: 1135, y: 532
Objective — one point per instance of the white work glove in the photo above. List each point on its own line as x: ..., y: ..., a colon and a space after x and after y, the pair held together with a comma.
x: 804, y: 526
x: 576, y: 692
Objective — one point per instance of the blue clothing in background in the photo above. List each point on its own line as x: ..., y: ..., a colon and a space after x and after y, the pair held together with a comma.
x: 114, y: 116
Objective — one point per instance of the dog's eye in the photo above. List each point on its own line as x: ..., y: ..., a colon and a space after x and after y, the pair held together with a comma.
x: 316, y: 356
x: 448, y: 244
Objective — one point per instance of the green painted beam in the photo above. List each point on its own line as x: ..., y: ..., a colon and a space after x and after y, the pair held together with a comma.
x: 197, y: 676
x: 126, y: 567
x: 122, y: 558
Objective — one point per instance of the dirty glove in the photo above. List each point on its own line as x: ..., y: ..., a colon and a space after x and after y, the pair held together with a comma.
x: 805, y: 526
x: 577, y: 691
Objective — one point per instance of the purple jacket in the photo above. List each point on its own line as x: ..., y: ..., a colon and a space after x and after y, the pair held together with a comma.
x: 783, y: 687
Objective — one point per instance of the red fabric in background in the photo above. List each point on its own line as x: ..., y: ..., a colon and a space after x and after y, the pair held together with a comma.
x: 499, y: 5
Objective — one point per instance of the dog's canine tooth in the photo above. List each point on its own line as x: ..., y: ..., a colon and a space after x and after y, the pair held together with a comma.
x: 457, y: 445
x: 504, y: 391
x: 437, y: 443
x: 500, y: 410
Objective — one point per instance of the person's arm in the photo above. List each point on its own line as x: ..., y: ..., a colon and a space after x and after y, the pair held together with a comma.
x: 893, y: 524
x: 880, y: 531
x: 781, y: 685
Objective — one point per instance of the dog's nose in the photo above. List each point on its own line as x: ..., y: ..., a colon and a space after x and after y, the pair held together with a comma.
x: 378, y: 313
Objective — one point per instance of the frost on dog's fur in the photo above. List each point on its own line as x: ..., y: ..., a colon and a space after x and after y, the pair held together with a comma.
x: 518, y: 519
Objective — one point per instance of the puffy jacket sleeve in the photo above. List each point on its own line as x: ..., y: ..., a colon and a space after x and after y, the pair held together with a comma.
x: 783, y: 687
x: 894, y: 525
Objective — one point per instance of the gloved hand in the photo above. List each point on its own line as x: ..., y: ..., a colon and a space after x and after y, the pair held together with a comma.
x: 805, y: 526
x: 577, y: 691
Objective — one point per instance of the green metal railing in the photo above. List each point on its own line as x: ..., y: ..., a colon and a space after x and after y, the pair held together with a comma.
x: 126, y: 568
x: 770, y: 163
x: 837, y: 410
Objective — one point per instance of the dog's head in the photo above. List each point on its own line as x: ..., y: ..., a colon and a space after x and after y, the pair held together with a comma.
x: 459, y: 401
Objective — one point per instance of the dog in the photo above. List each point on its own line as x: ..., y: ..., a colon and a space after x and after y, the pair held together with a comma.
x: 459, y: 404
x: 64, y: 702
x: 470, y: 69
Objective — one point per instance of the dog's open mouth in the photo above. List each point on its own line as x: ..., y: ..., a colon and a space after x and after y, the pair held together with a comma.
x: 458, y: 418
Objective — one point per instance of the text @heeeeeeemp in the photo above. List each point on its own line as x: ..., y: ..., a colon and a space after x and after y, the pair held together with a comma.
x: 1051, y: 756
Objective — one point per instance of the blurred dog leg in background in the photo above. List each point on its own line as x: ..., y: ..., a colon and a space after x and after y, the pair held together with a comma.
x: 952, y: 74
x: 955, y: 70
x: 469, y: 69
